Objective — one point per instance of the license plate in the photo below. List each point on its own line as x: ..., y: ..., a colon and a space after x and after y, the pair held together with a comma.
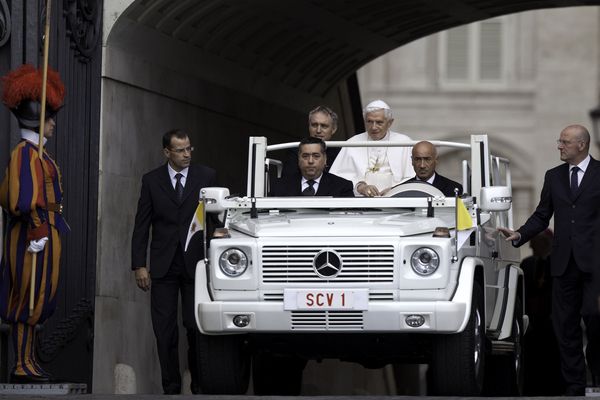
x: 329, y: 299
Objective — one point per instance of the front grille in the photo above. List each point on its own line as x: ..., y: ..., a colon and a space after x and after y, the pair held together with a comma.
x: 361, y: 263
x: 273, y: 297
x: 327, y: 320
x: 381, y: 296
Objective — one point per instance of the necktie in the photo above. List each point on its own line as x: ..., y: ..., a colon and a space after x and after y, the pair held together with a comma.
x: 574, y: 181
x: 310, y: 190
x: 179, y: 187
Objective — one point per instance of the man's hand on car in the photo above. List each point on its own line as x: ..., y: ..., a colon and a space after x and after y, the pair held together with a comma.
x: 511, y: 236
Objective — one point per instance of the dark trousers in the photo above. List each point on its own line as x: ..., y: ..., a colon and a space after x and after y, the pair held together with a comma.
x: 164, y: 303
x: 575, y: 296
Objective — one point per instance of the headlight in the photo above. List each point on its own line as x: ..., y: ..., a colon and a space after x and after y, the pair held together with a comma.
x: 424, y: 261
x: 233, y: 262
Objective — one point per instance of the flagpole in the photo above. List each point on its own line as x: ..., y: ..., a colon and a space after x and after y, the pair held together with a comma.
x: 44, y: 78
x: 41, y: 137
x: 455, y: 257
x: 204, y: 226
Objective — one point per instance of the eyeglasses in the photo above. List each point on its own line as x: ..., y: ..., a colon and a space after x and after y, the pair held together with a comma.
x: 188, y: 149
x: 567, y: 142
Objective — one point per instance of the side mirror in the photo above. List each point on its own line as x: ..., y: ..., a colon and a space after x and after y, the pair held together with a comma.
x: 215, y: 197
x: 495, y: 198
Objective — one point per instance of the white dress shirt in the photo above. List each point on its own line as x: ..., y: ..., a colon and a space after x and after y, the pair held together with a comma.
x: 582, y: 167
x: 315, y: 186
x: 172, y: 174
x: 430, y: 180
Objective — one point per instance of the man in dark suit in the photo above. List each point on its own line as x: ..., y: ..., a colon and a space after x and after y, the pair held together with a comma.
x: 424, y: 161
x: 571, y: 193
x: 167, y: 203
x: 322, y: 124
x: 312, y: 180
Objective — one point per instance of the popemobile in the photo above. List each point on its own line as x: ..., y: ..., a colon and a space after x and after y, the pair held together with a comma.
x: 413, y: 277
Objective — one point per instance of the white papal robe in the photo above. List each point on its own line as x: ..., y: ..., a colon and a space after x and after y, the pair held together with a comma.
x: 353, y: 163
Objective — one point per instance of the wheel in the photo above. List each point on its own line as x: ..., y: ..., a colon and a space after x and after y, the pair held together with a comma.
x: 515, y: 368
x: 224, y: 364
x: 458, y: 360
x: 504, y: 372
x: 274, y: 375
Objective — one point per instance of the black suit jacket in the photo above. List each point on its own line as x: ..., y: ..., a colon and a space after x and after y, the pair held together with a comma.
x: 445, y: 185
x: 329, y: 185
x: 576, y: 218
x: 160, y: 211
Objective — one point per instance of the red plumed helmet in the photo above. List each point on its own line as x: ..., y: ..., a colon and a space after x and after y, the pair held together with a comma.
x: 22, y: 91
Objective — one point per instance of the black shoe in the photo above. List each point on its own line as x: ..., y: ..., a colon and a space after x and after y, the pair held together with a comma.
x: 172, y: 390
x: 46, y: 375
x: 195, y: 389
x: 29, y: 378
x: 574, y: 391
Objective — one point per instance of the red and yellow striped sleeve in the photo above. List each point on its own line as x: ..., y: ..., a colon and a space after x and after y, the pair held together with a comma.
x: 22, y: 190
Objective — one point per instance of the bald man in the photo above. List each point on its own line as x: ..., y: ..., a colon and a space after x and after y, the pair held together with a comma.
x: 424, y: 161
x: 571, y: 194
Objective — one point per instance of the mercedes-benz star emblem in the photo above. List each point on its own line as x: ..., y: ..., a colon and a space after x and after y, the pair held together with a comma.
x: 327, y: 264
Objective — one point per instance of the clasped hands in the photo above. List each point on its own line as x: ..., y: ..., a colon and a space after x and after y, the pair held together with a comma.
x: 369, y: 190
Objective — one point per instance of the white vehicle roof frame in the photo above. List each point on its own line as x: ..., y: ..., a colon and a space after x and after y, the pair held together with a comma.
x: 364, y: 143
x: 258, y: 149
x: 349, y: 203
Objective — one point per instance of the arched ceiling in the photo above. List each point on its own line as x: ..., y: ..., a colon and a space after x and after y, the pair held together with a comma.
x: 312, y: 45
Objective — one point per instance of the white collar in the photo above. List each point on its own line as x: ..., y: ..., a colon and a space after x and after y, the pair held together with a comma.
x: 31, y: 136
x: 172, y: 172
x: 317, y: 180
x: 430, y: 180
x: 582, y: 165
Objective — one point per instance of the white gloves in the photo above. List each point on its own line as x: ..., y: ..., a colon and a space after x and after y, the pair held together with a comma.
x: 35, y: 246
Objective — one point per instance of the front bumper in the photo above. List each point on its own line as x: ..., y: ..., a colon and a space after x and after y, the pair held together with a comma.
x: 215, y: 317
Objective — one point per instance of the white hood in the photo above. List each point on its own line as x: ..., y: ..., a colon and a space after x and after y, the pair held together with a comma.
x: 340, y: 224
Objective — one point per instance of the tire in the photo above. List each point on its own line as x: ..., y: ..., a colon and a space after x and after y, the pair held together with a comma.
x: 458, y: 360
x: 505, y: 372
x: 274, y: 375
x: 224, y: 364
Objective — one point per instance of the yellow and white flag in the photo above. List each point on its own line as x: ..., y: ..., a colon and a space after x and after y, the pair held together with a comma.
x: 464, y: 223
x: 197, y: 224
x: 463, y: 218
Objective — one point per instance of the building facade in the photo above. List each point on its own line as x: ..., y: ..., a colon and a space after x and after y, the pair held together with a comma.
x: 520, y: 78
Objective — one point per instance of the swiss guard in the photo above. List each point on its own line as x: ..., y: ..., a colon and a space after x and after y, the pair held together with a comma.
x: 31, y: 194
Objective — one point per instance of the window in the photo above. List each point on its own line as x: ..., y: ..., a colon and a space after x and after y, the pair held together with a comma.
x: 474, y: 54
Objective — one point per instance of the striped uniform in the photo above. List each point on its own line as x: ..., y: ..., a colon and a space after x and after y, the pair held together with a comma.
x: 30, y: 193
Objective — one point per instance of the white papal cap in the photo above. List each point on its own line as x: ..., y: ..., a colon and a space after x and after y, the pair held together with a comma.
x: 378, y: 104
